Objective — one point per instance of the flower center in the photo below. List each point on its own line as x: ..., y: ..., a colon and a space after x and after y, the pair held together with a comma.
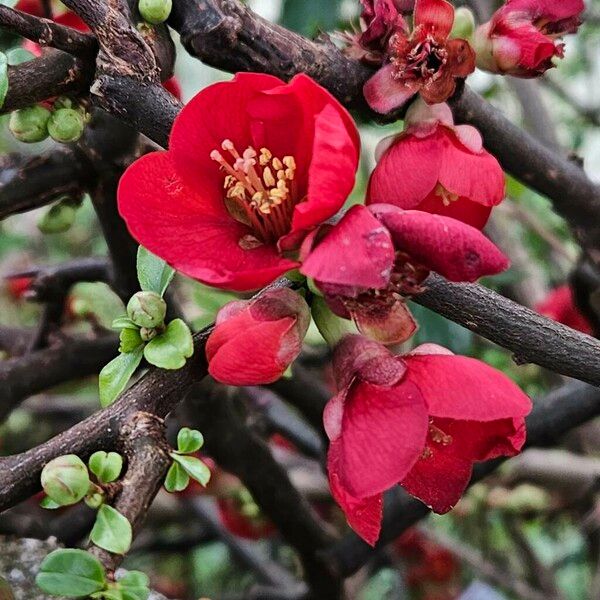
x: 446, y: 196
x: 259, y: 191
x: 436, y: 436
x: 422, y: 58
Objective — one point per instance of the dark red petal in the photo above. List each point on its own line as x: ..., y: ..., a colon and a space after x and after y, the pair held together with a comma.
x: 464, y: 210
x: 190, y: 228
x: 383, y: 434
x: 243, y: 351
x: 436, y: 16
x: 456, y: 250
x: 388, y: 322
x: 458, y: 387
x: 363, y: 514
x: 383, y: 93
x: 478, y: 177
x: 358, y: 252
x: 172, y: 85
x: 408, y: 171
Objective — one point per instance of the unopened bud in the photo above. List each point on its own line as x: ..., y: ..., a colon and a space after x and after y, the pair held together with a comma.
x: 464, y: 24
x: 155, y: 11
x: 30, y: 124
x: 66, y: 125
x: 59, y: 217
x: 147, y: 309
x: 148, y: 333
x: 65, y: 479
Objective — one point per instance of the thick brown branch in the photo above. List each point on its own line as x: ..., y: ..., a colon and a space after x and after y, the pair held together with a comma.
x: 28, y: 182
x: 47, y: 33
x: 531, y: 337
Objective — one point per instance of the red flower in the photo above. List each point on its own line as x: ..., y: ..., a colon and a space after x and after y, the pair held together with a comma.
x: 437, y: 167
x: 393, y: 252
x: 254, y: 341
x: 249, y: 527
x: 172, y: 85
x: 223, y: 218
x: 420, y: 420
x: 559, y: 305
x: 32, y: 7
x: 423, y: 61
x: 18, y: 286
x: 520, y: 38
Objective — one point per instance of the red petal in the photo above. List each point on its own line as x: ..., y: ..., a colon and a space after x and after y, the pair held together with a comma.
x: 458, y: 387
x: 407, y: 172
x: 457, y: 251
x: 478, y: 177
x: 436, y: 16
x: 364, y: 515
x: 383, y: 434
x: 383, y: 93
x: 244, y: 351
x: 559, y: 305
x: 464, y: 210
x: 172, y: 85
x: 217, y: 113
x: 362, y: 236
x: 190, y: 228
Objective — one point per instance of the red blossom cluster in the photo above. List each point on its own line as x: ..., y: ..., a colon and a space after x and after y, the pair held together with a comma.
x: 253, y: 186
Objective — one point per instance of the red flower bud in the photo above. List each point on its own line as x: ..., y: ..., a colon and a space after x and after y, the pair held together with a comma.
x: 254, y: 341
x: 520, y: 38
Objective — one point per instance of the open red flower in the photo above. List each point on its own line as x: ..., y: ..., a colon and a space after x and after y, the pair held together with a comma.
x: 253, y: 164
x: 254, y: 341
x: 393, y: 252
x: 438, y: 167
x: 424, y: 60
x: 560, y: 306
x: 520, y: 38
x: 421, y: 420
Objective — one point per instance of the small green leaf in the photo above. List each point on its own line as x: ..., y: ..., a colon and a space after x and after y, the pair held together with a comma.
x: 3, y: 77
x: 18, y: 56
x: 129, y: 340
x: 189, y: 440
x: 154, y: 274
x: 94, y: 299
x: 115, y: 375
x: 49, y: 504
x: 194, y: 467
x: 106, y: 466
x: 72, y: 573
x: 134, y: 585
x: 111, y: 531
x: 124, y: 322
x: 170, y: 349
x: 177, y: 479
x: 109, y: 595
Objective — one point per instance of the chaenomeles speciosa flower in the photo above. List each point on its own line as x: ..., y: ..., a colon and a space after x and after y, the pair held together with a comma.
x: 425, y: 60
x: 560, y: 306
x: 255, y: 341
x: 393, y: 252
x: 521, y: 37
x: 437, y: 167
x: 253, y: 165
x: 420, y: 420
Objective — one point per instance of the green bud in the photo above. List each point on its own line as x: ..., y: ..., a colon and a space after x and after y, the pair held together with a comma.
x: 30, y: 124
x: 155, y: 11
x: 148, y: 333
x: 130, y: 340
x: 66, y: 125
x: 464, y: 24
x: 66, y: 479
x: 330, y: 326
x: 59, y: 217
x: 62, y: 102
x: 95, y: 500
x: 147, y: 309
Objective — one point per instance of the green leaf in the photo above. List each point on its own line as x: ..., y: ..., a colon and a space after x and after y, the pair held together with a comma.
x: 106, y: 466
x: 115, y: 375
x: 72, y: 573
x: 134, y: 585
x: 189, y: 440
x: 154, y: 274
x: 49, y: 504
x: 18, y: 56
x: 310, y: 16
x: 111, y: 531
x: 170, y: 349
x: 177, y: 479
x: 96, y: 300
x: 123, y: 322
x: 194, y: 467
x: 3, y: 77
x: 109, y: 595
